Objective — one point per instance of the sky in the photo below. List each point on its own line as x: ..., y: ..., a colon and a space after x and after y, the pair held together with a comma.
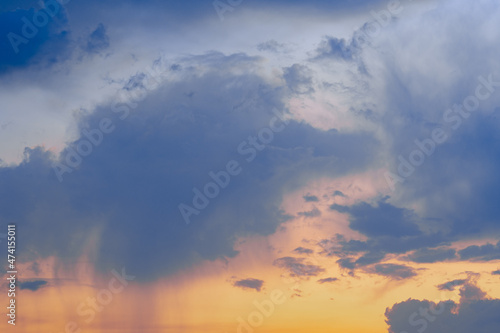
x: 250, y: 166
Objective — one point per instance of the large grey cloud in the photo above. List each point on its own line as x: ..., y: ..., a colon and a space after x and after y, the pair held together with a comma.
x: 129, y: 188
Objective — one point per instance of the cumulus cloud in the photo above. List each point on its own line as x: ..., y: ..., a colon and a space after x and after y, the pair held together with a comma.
x: 474, y: 313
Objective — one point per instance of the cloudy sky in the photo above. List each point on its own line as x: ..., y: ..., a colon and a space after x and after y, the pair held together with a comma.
x: 251, y: 166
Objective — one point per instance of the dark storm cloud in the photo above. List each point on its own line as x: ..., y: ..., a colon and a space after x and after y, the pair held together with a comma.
x: 132, y: 183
